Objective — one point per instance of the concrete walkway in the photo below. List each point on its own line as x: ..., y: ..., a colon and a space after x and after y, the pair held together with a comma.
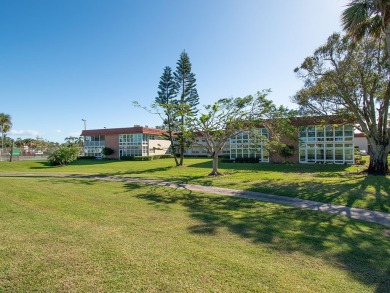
x: 353, y: 213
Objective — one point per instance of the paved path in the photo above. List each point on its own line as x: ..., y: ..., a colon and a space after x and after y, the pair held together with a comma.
x: 353, y: 213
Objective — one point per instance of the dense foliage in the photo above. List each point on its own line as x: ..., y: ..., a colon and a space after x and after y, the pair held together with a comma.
x: 107, y: 151
x: 229, y: 117
x: 63, y: 156
x: 145, y: 158
x: 350, y: 80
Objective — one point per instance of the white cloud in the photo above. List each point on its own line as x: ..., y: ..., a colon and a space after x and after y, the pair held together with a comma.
x: 28, y: 132
x: 58, y: 130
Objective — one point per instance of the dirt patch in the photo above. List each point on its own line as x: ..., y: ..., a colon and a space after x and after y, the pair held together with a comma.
x: 387, y: 232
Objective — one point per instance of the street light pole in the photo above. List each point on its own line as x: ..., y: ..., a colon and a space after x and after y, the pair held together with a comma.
x: 85, y: 124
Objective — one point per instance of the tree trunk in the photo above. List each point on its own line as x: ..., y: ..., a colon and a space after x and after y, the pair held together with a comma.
x: 387, y: 35
x: 378, y: 160
x: 173, y: 149
x: 12, y: 151
x: 182, y: 153
x: 215, y: 166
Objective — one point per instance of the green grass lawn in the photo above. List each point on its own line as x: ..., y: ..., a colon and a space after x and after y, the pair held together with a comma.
x: 62, y: 234
x: 338, y: 184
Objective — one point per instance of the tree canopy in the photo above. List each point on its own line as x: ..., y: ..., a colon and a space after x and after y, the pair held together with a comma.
x: 349, y: 79
x: 228, y: 117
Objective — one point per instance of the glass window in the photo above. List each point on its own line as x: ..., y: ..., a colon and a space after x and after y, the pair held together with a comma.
x: 302, y: 155
x: 338, y: 154
x: 311, y: 155
x: 338, y: 131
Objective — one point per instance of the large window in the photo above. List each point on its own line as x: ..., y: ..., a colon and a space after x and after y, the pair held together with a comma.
x: 250, y: 144
x: 133, y: 145
x: 326, y: 144
x: 93, y: 145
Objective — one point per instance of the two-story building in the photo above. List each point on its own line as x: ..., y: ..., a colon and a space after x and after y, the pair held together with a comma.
x: 129, y: 141
x: 315, y: 142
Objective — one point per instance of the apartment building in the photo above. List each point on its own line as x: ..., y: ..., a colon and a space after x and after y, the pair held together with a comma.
x: 130, y: 141
x: 315, y: 142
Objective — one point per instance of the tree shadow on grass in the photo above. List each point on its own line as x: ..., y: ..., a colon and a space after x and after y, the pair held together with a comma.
x: 287, y: 168
x: 47, y: 165
x: 369, y: 192
x: 360, y: 248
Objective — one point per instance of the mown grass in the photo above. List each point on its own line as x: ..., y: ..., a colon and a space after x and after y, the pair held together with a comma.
x: 61, y: 234
x: 338, y: 184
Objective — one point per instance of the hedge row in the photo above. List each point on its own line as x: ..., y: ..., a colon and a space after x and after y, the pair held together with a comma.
x: 145, y: 158
x: 86, y: 158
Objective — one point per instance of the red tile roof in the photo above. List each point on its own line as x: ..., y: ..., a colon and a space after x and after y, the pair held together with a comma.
x: 125, y: 130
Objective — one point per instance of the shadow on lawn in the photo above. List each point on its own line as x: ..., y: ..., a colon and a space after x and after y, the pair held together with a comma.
x: 357, y: 247
x: 47, y: 165
x: 351, y: 191
x: 287, y: 168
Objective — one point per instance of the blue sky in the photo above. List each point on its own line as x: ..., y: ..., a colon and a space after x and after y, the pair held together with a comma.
x: 64, y: 61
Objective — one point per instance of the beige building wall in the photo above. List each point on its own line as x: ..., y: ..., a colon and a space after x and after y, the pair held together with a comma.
x: 159, y: 147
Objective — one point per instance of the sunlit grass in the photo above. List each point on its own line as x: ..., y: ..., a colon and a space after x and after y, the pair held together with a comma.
x: 339, y: 184
x: 61, y: 234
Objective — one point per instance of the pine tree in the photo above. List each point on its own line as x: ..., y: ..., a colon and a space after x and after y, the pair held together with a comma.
x: 166, y: 88
x: 166, y: 100
x: 188, y: 97
x: 186, y: 83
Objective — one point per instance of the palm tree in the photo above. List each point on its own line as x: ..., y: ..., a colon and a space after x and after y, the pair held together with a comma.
x: 371, y: 17
x: 5, y: 125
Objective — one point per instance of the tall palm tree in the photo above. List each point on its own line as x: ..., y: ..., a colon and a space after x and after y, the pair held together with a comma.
x: 5, y: 125
x: 368, y: 16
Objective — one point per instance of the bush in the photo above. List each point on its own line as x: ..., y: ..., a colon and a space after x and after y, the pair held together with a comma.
x: 107, y: 151
x: 246, y: 160
x: 166, y: 156
x: 145, y: 158
x: 86, y: 158
x: 63, y: 156
x: 287, y: 151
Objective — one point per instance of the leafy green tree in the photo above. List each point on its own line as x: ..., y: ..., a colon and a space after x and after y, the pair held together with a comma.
x: 74, y: 140
x: 350, y: 80
x: 228, y: 117
x: 188, y: 99
x: 63, y: 155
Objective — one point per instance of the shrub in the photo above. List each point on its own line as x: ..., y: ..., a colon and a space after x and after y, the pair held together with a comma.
x: 107, y: 151
x: 63, y: 156
x: 287, y: 151
x: 246, y: 160
x: 145, y: 158
x: 166, y: 156
x: 86, y: 158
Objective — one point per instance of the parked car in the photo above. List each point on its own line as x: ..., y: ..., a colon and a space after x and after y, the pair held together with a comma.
x: 363, y: 152
x: 38, y: 153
